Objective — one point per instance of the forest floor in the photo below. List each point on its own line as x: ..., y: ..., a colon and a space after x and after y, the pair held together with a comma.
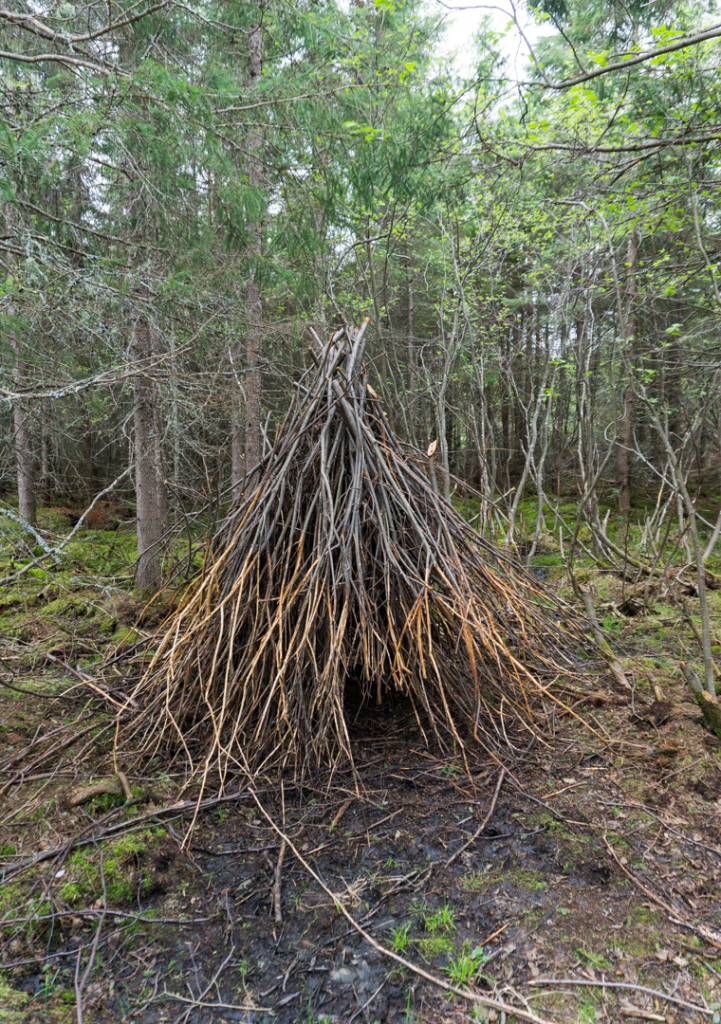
x: 592, y: 895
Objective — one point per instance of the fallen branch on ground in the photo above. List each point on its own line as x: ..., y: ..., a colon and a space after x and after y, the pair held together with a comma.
x: 625, y: 986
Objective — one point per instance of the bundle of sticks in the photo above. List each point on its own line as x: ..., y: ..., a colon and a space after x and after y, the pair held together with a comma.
x: 344, y: 570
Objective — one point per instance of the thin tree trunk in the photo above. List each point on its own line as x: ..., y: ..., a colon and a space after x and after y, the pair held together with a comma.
x: 627, y: 414
x: 27, y: 497
x: 149, y: 486
x: 246, y: 427
x: 253, y: 386
x: 237, y: 414
x: 685, y: 500
x: 159, y: 437
x: 45, y: 443
x: 412, y: 355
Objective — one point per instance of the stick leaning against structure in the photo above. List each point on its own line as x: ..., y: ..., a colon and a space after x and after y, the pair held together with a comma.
x: 344, y: 572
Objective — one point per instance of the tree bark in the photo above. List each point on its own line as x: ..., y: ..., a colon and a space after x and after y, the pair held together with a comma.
x: 627, y: 412
x: 44, y: 483
x: 622, y: 455
x: 412, y: 355
x: 247, y: 444
x: 149, y: 485
x: 27, y: 495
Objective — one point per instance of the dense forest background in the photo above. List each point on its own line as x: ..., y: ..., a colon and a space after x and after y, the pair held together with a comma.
x: 188, y: 190
x: 367, y: 767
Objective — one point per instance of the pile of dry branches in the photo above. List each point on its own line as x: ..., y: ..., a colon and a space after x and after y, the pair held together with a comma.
x: 344, y: 572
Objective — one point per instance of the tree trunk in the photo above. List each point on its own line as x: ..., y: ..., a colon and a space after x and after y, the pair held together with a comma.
x: 149, y: 486
x: 159, y: 438
x: 627, y: 412
x: 45, y: 442
x: 27, y: 501
x: 412, y: 355
x: 247, y: 445
x: 622, y: 456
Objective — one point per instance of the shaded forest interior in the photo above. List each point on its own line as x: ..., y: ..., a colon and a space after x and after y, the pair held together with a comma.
x: 194, y: 197
x: 186, y: 193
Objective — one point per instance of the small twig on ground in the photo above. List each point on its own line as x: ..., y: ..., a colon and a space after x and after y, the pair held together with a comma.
x: 277, y: 908
x: 341, y: 811
x: 664, y: 824
x: 367, y: 1003
x: 182, y: 1017
x: 86, y: 680
x: 481, y: 827
x: 700, y: 929
x: 629, y: 1010
x: 28, y: 693
x: 55, y: 749
x: 108, y: 912
x: 80, y: 982
x: 138, y: 821
x: 193, y: 1003
x: 113, y: 787
x: 127, y: 791
x: 494, y: 935
x: 626, y: 986
x: 377, y: 824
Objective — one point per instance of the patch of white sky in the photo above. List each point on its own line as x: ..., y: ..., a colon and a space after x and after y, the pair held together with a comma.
x: 516, y: 30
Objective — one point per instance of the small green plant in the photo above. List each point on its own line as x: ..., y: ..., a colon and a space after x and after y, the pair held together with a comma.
x: 119, y: 869
x: 13, y: 1002
x: 309, y: 1016
x: 400, y: 938
x: 435, y: 945
x: 464, y: 968
x: 442, y: 920
x: 50, y: 977
x: 611, y: 624
x: 410, y: 1016
x: 449, y: 770
x: 530, y: 880
x: 474, y: 881
x: 587, y: 1011
x: 595, y: 959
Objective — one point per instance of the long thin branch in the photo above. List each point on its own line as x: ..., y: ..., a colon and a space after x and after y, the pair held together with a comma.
x: 625, y: 986
x: 66, y: 59
x: 712, y: 32
x: 42, y: 29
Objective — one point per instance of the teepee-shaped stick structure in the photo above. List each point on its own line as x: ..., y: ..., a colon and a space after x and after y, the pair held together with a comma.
x: 344, y: 569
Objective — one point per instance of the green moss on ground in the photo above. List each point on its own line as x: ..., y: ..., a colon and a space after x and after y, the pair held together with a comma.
x: 13, y: 1004
x: 118, y: 868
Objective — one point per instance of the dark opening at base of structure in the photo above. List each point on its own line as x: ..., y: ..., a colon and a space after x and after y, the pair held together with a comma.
x: 367, y: 718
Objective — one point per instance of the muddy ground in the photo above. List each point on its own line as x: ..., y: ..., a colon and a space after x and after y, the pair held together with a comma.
x: 592, y: 893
